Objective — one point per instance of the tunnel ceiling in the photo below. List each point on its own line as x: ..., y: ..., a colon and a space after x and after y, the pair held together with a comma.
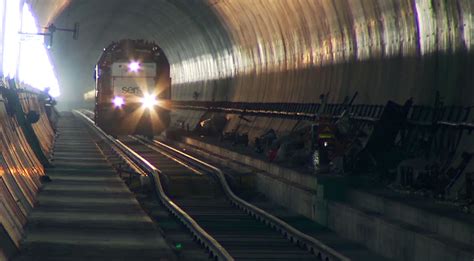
x: 283, y: 50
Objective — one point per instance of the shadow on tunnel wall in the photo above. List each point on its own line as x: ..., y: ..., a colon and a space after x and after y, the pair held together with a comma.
x: 377, y: 81
x: 292, y: 51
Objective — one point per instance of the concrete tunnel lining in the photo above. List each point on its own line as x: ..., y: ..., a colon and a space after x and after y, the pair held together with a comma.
x: 280, y: 51
x: 286, y: 51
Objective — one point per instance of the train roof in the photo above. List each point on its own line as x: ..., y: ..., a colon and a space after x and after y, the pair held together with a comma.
x: 130, y: 45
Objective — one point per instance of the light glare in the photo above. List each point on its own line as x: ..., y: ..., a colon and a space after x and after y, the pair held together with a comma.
x: 25, y: 58
x: 134, y: 66
x: 35, y: 68
x: 149, y: 101
x: 118, y: 101
x: 11, y: 47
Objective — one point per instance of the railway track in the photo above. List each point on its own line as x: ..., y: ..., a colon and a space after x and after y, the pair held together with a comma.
x: 197, y: 194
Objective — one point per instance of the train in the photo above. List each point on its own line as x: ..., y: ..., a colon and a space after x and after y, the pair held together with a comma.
x: 132, y: 89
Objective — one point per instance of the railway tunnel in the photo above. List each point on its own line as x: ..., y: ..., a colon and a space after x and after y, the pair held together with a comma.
x: 265, y: 67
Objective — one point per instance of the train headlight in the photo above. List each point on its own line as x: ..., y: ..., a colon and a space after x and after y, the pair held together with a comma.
x: 149, y: 101
x: 118, y: 101
x: 134, y: 66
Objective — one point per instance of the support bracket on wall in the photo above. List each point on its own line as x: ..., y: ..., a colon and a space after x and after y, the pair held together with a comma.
x: 52, y: 29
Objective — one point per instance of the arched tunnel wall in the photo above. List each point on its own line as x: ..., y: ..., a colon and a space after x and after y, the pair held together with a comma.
x: 286, y: 51
x: 292, y: 51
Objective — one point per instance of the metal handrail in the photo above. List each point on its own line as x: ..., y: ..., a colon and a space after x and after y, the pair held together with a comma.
x: 212, y: 244
x: 249, y: 109
x: 296, y: 236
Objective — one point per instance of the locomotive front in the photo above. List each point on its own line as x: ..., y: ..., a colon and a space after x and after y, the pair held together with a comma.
x: 133, y: 86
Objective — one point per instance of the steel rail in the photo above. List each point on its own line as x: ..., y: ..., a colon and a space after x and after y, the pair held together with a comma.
x: 294, y: 235
x: 211, y: 244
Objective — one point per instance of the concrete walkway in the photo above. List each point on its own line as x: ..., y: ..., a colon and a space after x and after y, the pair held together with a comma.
x: 87, y: 212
